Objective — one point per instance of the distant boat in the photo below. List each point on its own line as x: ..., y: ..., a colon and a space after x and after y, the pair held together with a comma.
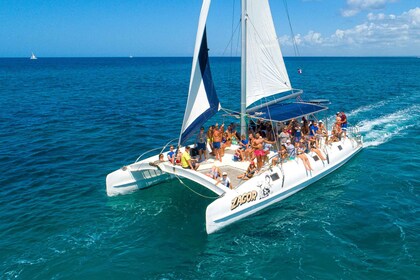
x: 33, y: 56
x: 130, y: 56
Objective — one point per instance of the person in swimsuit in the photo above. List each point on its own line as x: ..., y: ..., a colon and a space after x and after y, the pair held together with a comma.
x: 214, y: 173
x: 257, y: 144
x: 344, y: 123
x: 201, y: 143
x: 249, y: 172
x: 314, y: 149
x: 301, y: 154
x: 217, y: 139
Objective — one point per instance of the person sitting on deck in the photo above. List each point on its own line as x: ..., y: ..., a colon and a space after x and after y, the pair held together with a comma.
x: 291, y: 150
x: 320, y: 133
x: 171, y: 154
x: 282, y: 155
x: 314, y: 148
x: 225, y: 181
x: 249, y: 151
x: 238, y: 156
x: 187, y: 162
x: 284, y: 136
x: 161, y: 158
x: 344, y: 123
x: 249, y: 173
x: 214, y: 173
x: 301, y: 148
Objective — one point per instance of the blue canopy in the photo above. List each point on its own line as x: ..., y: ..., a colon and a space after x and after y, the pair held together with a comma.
x: 286, y: 111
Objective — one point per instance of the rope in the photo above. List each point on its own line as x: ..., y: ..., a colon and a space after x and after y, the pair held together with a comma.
x: 199, y: 194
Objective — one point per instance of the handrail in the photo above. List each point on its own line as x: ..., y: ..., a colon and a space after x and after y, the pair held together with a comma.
x: 155, y: 149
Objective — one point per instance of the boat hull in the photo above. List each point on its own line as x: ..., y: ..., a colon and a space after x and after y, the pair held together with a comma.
x: 132, y: 178
x: 276, y: 184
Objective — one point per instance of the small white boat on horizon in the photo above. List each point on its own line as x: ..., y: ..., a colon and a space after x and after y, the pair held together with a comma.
x: 266, y: 94
x: 33, y: 57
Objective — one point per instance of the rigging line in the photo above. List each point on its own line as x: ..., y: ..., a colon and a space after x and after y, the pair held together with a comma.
x: 231, y: 39
x: 295, y: 47
x: 199, y: 194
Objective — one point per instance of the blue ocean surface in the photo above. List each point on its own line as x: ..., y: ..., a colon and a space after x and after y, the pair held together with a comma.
x: 65, y: 123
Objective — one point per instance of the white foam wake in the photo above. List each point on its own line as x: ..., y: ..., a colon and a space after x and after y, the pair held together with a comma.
x: 384, y: 128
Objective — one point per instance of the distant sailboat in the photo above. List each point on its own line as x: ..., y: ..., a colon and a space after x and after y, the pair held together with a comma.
x: 33, y: 56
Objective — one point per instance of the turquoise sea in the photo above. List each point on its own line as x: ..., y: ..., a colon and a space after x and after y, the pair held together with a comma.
x: 65, y: 123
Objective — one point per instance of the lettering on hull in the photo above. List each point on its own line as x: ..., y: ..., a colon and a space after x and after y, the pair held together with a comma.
x: 243, y: 198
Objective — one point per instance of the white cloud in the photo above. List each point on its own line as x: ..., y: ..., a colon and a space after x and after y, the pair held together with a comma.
x: 356, y: 6
x: 377, y: 35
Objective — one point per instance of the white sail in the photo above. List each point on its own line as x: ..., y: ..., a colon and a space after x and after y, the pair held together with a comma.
x: 266, y: 72
x: 202, y: 102
x: 33, y: 56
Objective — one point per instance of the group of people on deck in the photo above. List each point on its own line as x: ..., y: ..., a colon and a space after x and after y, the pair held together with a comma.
x: 296, y: 139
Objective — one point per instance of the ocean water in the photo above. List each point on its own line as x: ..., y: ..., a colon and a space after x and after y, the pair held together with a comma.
x: 66, y: 123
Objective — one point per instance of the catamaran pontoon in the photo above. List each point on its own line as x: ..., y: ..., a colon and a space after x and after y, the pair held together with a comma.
x: 263, y: 76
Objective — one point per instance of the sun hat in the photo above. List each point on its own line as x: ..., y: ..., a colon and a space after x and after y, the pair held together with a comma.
x: 224, y: 173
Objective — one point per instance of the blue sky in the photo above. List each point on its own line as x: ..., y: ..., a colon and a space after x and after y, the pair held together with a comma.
x: 76, y: 28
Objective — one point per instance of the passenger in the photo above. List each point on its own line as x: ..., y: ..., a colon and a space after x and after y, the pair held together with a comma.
x: 321, y: 132
x: 178, y: 158
x: 301, y: 154
x: 313, y: 128
x: 187, y: 162
x: 267, y: 145
x: 344, y: 123
x: 217, y: 139
x: 284, y: 136
x: 249, y: 172
x: 171, y: 154
x: 305, y: 129
x: 210, y: 139
x: 282, y: 156
x: 291, y: 150
x: 315, y: 149
x: 214, y: 173
x: 161, y: 158
x: 238, y: 156
x: 249, y: 152
x: 259, y: 153
x: 225, y: 181
x: 226, y: 142
x: 201, y: 143
x: 244, y: 143
x: 298, y: 133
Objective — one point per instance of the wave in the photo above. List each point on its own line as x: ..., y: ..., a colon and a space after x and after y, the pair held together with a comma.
x: 367, y: 108
x: 384, y: 128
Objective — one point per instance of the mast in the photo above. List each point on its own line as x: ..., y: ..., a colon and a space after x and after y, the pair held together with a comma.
x: 243, y: 68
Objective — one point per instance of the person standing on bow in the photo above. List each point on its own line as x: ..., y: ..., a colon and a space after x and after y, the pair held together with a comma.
x: 201, y: 144
x: 217, y: 139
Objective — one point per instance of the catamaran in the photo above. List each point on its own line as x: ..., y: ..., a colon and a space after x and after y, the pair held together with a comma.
x: 33, y: 56
x: 267, y: 94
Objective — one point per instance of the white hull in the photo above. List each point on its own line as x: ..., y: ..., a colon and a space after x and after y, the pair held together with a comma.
x: 266, y: 188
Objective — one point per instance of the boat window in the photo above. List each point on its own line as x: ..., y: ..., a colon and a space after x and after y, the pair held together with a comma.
x: 316, y: 158
x: 339, y: 147
x: 275, y: 176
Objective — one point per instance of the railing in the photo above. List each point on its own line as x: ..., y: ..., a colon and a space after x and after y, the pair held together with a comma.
x: 155, y: 149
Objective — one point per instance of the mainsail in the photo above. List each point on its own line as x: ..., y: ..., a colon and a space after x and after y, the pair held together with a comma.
x: 202, y: 102
x: 266, y: 73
